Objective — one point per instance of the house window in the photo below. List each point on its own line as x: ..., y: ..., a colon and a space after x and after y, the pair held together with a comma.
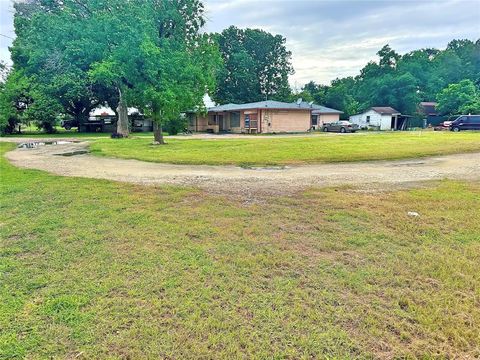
x: 212, y: 120
x: 251, y: 121
x: 234, y: 119
x: 368, y: 119
x: 191, y: 119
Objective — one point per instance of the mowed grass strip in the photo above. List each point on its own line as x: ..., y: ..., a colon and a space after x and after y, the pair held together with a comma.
x: 97, y: 269
x: 292, y: 150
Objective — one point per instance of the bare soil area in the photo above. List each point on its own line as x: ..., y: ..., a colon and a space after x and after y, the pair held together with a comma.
x: 72, y: 159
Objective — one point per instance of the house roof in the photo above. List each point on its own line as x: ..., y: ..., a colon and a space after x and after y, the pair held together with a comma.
x: 271, y: 104
x: 385, y: 110
x: 319, y: 109
x: 428, y: 107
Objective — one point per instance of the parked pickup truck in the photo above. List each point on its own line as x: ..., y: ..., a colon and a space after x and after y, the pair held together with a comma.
x: 92, y: 124
x: 443, y: 126
x: 340, y: 126
x: 69, y: 124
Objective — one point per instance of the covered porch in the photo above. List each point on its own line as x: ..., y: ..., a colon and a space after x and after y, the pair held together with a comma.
x: 225, y: 121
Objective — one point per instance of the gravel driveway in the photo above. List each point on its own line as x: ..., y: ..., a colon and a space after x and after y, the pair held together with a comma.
x: 371, y: 175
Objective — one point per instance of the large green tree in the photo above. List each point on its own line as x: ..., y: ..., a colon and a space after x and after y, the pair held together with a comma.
x: 15, y: 98
x: 4, y: 70
x: 56, y: 44
x: 23, y: 100
x: 460, y: 98
x: 419, y: 64
x: 256, y: 66
x: 118, y: 26
x: 339, y: 95
x: 147, y: 54
x: 8, y: 115
x: 179, y: 64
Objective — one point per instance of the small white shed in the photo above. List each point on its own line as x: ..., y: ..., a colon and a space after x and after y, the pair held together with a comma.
x: 380, y: 118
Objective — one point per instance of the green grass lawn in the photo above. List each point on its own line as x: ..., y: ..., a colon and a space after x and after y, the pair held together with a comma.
x: 293, y: 150
x: 97, y: 269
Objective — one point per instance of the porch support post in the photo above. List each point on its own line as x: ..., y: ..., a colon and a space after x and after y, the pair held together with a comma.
x: 259, y: 124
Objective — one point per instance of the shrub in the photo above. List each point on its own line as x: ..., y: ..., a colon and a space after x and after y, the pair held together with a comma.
x: 117, y: 135
x: 173, y: 127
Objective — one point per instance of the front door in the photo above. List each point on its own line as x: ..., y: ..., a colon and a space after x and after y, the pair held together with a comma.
x: 314, y: 121
x: 221, y: 126
x: 253, y: 121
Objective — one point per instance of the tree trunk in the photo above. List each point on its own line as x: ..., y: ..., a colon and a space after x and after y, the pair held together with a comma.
x: 82, y: 119
x: 122, y: 110
x: 158, y: 133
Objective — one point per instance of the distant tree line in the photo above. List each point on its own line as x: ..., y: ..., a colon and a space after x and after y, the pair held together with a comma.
x: 450, y: 76
x: 71, y: 56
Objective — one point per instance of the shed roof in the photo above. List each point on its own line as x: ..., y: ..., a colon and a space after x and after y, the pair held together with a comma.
x: 428, y: 107
x: 271, y: 104
x: 385, y: 110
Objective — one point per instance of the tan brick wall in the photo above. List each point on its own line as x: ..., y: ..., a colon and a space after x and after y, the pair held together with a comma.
x: 269, y: 121
x: 285, y: 121
x: 328, y: 118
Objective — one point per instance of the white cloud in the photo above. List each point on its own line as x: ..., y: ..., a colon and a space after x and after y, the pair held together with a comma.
x: 332, y: 39
x: 6, y: 29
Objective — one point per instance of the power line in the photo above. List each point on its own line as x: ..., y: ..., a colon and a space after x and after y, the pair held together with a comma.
x: 8, y: 37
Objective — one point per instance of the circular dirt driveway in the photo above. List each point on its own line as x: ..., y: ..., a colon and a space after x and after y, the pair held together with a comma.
x: 72, y: 159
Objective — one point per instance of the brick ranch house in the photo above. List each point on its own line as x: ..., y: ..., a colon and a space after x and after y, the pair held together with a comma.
x: 262, y: 117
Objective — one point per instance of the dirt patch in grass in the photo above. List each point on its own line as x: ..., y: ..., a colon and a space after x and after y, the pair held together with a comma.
x: 251, y: 184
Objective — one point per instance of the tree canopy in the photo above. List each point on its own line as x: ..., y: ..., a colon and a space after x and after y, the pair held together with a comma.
x: 256, y: 66
x: 460, y: 98
x: 149, y: 54
x: 402, y: 81
x: 54, y: 48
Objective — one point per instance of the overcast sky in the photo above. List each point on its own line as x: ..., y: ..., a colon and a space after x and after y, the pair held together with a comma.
x: 330, y: 39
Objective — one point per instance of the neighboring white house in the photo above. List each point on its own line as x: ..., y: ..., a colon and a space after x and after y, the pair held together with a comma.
x: 106, y: 110
x: 381, y: 118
